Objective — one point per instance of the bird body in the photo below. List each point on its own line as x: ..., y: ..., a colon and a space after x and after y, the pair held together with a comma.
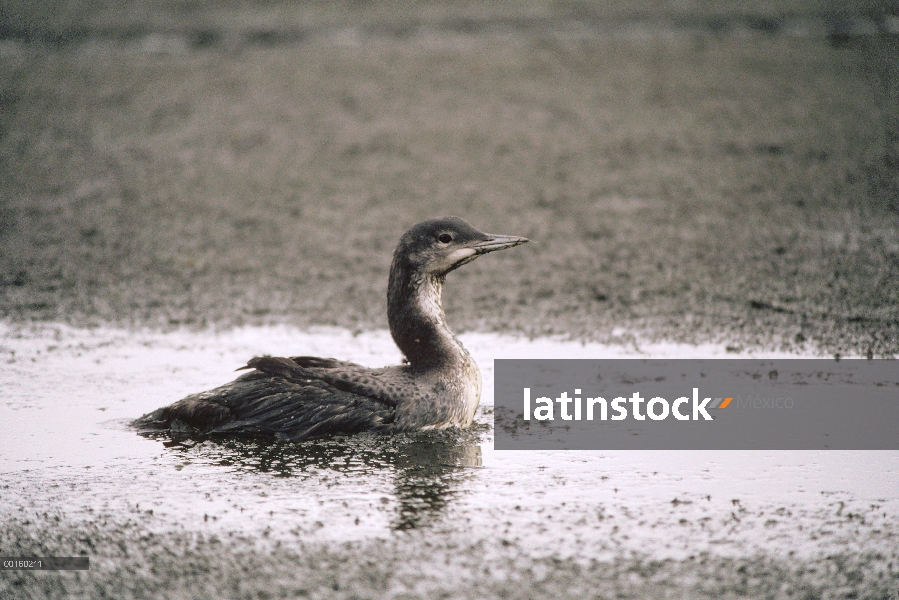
x: 301, y: 397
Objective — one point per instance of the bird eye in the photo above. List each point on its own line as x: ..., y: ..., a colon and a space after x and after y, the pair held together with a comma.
x: 445, y: 238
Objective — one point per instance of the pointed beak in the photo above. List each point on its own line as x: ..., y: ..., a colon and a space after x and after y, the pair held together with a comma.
x: 498, y: 242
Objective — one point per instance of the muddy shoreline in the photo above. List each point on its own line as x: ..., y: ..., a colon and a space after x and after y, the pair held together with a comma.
x: 417, y: 565
x: 733, y: 185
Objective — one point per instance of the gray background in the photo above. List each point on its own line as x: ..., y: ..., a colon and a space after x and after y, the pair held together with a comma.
x: 720, y: 171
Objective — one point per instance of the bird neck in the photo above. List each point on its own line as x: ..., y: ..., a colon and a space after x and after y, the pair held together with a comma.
x: 417, y: 322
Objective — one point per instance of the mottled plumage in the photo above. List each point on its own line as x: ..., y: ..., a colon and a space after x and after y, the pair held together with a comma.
x: 305, y: 396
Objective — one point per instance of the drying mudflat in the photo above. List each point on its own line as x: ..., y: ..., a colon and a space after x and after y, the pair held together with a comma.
x: 718, y: 180
x: 184, y: 187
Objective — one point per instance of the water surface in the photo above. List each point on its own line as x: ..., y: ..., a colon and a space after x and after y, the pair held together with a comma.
x: 66, y: 448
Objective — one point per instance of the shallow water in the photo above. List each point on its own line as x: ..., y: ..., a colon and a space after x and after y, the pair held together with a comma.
x: 66, y: 448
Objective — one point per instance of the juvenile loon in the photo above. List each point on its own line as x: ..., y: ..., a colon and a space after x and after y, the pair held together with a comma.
x: 304, y: 396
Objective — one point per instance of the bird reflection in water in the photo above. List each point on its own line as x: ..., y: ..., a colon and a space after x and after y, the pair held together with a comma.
x: 428, y: 468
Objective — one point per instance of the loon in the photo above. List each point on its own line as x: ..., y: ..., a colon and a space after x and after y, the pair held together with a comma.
x: 438, y: 386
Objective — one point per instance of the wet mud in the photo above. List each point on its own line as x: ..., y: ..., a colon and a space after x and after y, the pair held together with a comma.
x: 699, y: 179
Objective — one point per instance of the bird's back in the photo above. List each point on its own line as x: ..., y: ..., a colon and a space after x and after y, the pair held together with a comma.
x: 259, y: 403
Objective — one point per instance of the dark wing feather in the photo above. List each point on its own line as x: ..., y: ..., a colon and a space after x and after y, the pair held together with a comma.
x: 268, y: 404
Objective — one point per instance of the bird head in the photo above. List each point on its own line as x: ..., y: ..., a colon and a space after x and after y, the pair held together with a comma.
x: 437, y: 246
